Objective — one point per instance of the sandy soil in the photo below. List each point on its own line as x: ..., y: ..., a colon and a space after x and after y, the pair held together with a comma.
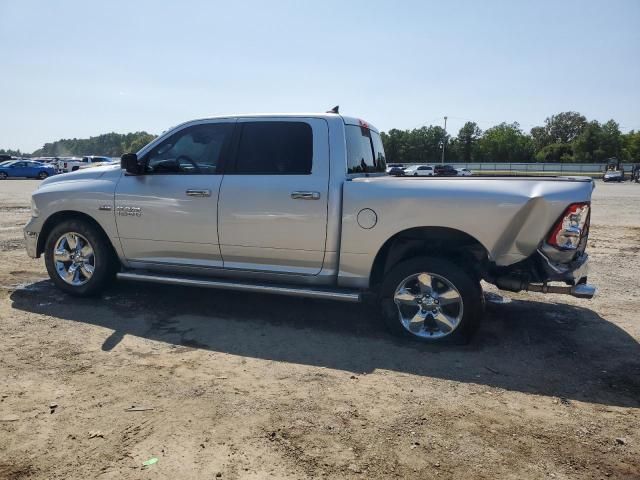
x: 253, y: 386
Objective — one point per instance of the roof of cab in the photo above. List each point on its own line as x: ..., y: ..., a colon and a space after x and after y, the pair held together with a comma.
x: 327, y: 115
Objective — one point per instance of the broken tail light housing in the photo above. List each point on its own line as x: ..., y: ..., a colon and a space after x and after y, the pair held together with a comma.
x: 571, y: 228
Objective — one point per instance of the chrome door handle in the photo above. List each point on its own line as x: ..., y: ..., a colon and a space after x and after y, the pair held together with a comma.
x: 198, y: 193
x: 305, y: 195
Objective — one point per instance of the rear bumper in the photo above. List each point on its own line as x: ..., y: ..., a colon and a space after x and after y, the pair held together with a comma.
x: 572, y: 273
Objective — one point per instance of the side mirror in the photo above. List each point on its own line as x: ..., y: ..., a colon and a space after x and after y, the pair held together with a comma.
x: 129, y: 163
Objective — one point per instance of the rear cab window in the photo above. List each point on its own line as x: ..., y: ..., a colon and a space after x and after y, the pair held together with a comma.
x: 365, y: 152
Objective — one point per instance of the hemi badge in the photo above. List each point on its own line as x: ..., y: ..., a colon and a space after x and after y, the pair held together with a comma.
x: 105, y: 208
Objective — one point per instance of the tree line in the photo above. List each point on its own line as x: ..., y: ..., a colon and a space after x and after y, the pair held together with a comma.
x: 565, y: 137
x: 108, y: 144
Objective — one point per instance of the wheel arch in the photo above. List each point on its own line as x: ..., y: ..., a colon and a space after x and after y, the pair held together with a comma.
x: 62, y: 216
x: 458, y: 246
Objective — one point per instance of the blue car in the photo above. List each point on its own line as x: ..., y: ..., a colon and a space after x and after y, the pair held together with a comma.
x: 25, y: 168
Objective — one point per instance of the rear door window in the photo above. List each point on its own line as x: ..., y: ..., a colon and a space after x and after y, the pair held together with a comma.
x: 275, y: 148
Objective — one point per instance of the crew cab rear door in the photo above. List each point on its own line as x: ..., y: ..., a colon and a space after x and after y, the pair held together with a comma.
x: 272, y: 208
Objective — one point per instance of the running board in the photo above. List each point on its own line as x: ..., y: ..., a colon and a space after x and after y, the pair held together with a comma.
x: 292, y: 291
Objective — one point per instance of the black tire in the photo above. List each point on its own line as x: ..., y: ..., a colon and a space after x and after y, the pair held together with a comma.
x: 106, y: 263
x: 74, y: 169
x: 465, y: 283
x: 415, y: 174
x: 43, y: 175
x: 3, y: 176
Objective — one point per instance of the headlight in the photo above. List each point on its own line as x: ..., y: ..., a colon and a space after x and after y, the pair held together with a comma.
x: 34, y: 210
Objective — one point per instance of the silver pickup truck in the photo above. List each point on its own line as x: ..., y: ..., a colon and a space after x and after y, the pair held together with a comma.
x: 300, y: 205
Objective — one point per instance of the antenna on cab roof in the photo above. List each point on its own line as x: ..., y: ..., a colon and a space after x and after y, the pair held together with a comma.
x: 334, y: 109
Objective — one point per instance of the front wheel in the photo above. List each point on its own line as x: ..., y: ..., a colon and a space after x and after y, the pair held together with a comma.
x: 79, y: 258
x: 431, y: 300
x: 3, y: 176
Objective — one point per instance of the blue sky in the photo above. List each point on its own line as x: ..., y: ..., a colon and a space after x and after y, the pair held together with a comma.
x: 78, y: 68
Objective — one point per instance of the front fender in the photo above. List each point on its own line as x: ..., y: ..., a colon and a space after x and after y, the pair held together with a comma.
x: 93, y: 197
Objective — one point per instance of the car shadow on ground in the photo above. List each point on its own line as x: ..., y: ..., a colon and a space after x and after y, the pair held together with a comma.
x: 527, y: 346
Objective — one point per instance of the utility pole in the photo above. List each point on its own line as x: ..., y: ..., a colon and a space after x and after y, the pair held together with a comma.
x: 444, y: 140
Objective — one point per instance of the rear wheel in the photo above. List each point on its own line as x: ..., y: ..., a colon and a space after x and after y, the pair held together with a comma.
x: 431, y: 300
x: 43, y: 175
x: 79, y: 258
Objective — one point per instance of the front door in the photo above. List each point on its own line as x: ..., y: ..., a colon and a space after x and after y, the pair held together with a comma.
x: 168, y: 215
x: 273, y: 199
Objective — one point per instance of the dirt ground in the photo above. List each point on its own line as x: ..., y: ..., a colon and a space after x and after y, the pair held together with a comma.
x: 254, y: 386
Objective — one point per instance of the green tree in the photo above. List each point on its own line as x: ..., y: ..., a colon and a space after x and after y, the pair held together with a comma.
x: 420, y: 145
x: 540, y: 138
x: 466, y: 142
x: 599, y: 142
x: 565, y: 127
x: 505, y: 143
x: 13, y: 153
x: 611, y: 140
x: 631, y: 146
x: 556, y: 152
x: 586, y: 147
x: 108, y: 144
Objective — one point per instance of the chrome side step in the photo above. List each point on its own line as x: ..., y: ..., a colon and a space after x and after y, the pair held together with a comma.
x: 292, y: 291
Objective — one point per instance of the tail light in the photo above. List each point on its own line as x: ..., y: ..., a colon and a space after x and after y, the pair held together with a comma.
x: 65, y: 164
x: 571, y: 228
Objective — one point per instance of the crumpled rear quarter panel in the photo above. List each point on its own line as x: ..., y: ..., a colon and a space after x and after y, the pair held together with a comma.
x: 509, y: 217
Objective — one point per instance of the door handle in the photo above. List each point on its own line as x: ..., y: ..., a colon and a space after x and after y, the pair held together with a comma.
x: 305, y: 195
x: 192, y: 192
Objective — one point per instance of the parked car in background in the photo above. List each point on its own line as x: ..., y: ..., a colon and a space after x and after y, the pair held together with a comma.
x: 71, y: 164
x: 613, y: 176
x: 396, y: 171
x: 445, y: 171
x: 47, y: 160
x: 464, y: 172
x: 96, y: 162
x: 26, y: 169
x: 5, y: 158
x: 394, y: 165
x: 419, y: 171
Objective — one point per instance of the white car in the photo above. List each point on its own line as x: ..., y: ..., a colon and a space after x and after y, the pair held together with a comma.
x: 71, y: 164
x: 464, y: 172
x: 419, y: 171
x: 96, y: 162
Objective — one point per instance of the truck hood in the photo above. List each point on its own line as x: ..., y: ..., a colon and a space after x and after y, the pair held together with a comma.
x: 83, y: 174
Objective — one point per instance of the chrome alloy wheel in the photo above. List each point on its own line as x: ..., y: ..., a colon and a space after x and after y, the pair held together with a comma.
x: 429, y: 305
x: 74, y: 259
